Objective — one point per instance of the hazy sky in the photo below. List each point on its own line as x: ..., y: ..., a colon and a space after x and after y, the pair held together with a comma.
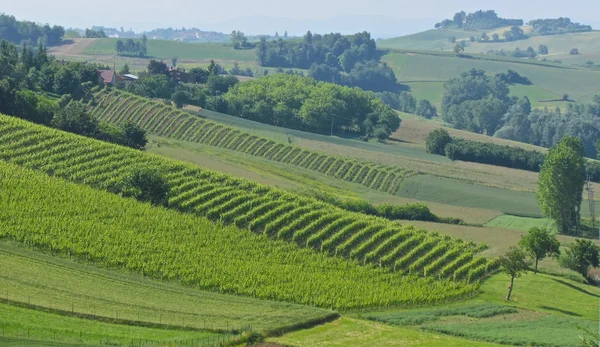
x: 206, y: 15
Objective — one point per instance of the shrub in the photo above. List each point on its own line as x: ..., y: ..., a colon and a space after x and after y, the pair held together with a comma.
x: 437, y: 140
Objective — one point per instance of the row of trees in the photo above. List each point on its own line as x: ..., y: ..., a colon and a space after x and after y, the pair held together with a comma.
x: 36, y: 87
x: 479, y: 20
x: 562, y: 25
x: 131, y: 47
x: 95, y: 34
x: 16, y: 31
x: 302, y: 103
x: 405, y: 102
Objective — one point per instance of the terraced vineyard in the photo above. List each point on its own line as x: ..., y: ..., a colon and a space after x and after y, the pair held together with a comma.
x: 261, y: 209
x: 159, y: 119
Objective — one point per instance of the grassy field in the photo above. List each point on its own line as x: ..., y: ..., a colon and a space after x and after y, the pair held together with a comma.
x: 66, y: 285
x: 520, y: 223
x: 361, y: 333
x: 19, y: 323
x: 434, y: 39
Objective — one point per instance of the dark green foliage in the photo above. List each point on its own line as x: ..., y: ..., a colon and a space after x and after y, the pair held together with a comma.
x: 147, y: 185
x: 401, y: 101
x: 133, y: 136
x: 152, y: 86
x: 598, y: 149
x: 74, y: 118
x: 580, y: 256
x: 475, y: 102
x: 220, y: 84
x: 34, y: 107
x: 200, y: 74
x: 180, y: 98
x: 560, y: 185
x: 513, y: 77
x: 516, y: 53
x: 156, y: 67
x: 489, y: 153
x: 437, y: 140
x: 515, y: 33
x: 543, y: 49
x: 416, y: 317
x: 18, y: 31
x: 540, y: 243
x: 238, y: 40
x: 93, y: 34
x: 478, y: 20
x: 560, y: 25
x: 373, y: 76
x: 303, y: 103
x: 426, y: 109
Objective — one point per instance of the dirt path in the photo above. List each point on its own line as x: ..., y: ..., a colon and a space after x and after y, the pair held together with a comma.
x: 76, y: 47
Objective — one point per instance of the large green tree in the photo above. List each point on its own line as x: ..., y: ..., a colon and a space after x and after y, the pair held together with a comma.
x: 580, y: 256
x: 540, y: 243
x: 598, y: 149
x: 560, y: 185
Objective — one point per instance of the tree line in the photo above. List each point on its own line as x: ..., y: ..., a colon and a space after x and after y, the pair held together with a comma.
x: 131, y: 47
x: 480, y: 103
x: 36, y: 87
x: 561, y: 25
x: 478, y: 20
x: 440, y: 142
x: 17, y: 32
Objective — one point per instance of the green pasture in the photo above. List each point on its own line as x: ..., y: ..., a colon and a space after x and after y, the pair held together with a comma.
x: 184, y: 51
x: 362, y: 333
x: 61, y: 284
x: 427, y: 69
x: 434, y: 39
x: 520, y: 223
x: 17, y: 324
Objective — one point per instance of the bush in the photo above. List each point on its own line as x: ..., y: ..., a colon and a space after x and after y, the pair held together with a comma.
x: 437, y: 140
x: 147, y: 185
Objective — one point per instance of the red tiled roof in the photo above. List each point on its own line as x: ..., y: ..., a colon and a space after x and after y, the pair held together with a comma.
x: 107, y: 75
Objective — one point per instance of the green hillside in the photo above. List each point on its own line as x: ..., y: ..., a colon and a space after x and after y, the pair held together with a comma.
x: 432, y: 40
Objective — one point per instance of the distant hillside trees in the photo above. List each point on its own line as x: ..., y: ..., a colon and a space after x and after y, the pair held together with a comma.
x: 350, y: 60
x: 302, y: 103
x: 516, y: 53
x: 513, y: 77
x: 479, y: 20
x: 16, y: 31
x: 543, y: 49
x: 131, y: 47
x: 515, y: 33
x: 553, y: 26
x: 238, y: 40
x: 95, y: 34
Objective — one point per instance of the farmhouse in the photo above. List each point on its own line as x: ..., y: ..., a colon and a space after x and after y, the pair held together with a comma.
x: 181, y: 76
x: 107, y: 77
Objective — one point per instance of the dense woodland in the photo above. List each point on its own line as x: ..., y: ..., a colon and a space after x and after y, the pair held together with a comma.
x: 555, y: 26
x: 479, y: 20
x: 479, y: 103
x: 36, y: 87
x: 302, y: 103
x: 17, y: 32
x: 131, y: 47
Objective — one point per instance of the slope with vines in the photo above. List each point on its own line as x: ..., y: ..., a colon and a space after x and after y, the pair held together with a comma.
x: 261, y: 209
x: 162, y: 120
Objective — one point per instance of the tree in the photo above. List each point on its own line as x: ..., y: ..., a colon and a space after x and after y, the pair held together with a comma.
x: 213, y: 70
x: 514, y: 263
x: 426, y: 109
x: 598, y: 149
x: 485, y: 37
x: 574, y: 51
x: 125, y: 70
x: 180, y: 98
x: 540, y: 243
x: 200, y: 74
x: 174, y: 61
x: 156, y: 67
x: 580, y: 255
x: 560, y: 184
x: 133, y: 135
x: 75, y: 119
x: 146, y: 184
x: 437, y: 140
x: 458, y: 48
x: 285, y: 35
x: 495, y: 37
x: 543, y: 49
x: 238, y: 39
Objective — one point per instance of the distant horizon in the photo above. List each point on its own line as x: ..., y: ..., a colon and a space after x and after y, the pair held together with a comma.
x: 381, y: 18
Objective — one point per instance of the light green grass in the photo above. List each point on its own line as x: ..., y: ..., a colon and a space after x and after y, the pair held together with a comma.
x: 360, y: 333
x: 61, y: 284
x: 434, y: 39
x: 520, y: 223
x: 539, y: 331
x: 580, y: 84
x: 184, y: 51
x: 20, y: 322
x: 537, y: 95
x: 544, y: 293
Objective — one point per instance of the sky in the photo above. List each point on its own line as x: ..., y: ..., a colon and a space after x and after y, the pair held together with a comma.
x: 264, y: 16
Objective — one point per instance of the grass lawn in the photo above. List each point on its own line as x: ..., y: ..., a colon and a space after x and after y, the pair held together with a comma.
x: 359, y: 333
x: 520, y: 223
x: 62, y: 284
x: 22, y: 323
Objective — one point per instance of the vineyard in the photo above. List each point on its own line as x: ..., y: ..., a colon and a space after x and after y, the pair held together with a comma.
x: 162, y: 120
x: 268, y: 211
x: 51, y: 214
